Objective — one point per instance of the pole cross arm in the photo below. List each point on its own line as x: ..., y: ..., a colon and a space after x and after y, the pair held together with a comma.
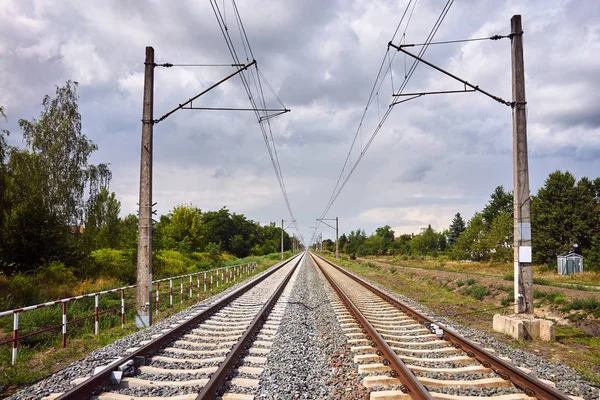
x: 291, y: 223
x: 498, y: 99
x: 323, y: 221
x: 189, y: 101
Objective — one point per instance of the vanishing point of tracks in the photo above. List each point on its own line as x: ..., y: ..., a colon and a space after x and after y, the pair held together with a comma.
x: 221, y: 351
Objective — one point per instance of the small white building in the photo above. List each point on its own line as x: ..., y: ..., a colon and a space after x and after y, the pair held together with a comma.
x: 569, y: 263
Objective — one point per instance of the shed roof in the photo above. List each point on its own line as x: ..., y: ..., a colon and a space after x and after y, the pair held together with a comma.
x: 570, y: 255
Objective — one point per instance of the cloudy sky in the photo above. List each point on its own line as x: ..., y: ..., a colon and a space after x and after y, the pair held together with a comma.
x: 434, y: 156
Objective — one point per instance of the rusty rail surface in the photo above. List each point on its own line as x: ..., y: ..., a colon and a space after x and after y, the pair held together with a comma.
x: 219, y: 377
x: 530, y: 386
x: 96, y: 383
x: 409, y: 383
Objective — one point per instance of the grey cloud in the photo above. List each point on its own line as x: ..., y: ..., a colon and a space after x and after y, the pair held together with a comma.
x: 414, y: 173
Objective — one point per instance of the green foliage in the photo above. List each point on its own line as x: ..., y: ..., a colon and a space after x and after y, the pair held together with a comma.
x: 564, y: 213
x: 476, y: 291
x: 427, y: 242
x: 456, y: 228
x: 471, y: 281
x: 501, y: 202
x: 120, y: 264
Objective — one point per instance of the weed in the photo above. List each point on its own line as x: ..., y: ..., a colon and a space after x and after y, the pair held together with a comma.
x: 509, y: 277
x: 471, y: 281
x: 476, y: 291
x: 393, y: 270
x: 540, y: 281
x: 508, y: 300
x: 460, y: 283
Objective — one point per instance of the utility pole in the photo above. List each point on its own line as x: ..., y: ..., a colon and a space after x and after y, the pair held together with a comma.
x: 522, y: 212
x: 143, y: 316
x: 282, y: 239
x: 336, y: 239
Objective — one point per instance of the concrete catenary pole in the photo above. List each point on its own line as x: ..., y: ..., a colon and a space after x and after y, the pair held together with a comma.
x: 143, y: 316
x: 282, y: 239
x: 522, y: 217
x: 336, y: 239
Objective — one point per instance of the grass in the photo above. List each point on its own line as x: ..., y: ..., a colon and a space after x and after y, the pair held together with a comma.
x: 41, y: 355
x: 588, y: 281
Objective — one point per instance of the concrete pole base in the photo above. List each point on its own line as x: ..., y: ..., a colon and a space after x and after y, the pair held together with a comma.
x: 524, y: 326
x: 142, y: 321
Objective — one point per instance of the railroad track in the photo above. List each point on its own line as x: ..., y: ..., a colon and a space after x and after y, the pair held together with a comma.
x: 404, y: 354
x: 216, y: 353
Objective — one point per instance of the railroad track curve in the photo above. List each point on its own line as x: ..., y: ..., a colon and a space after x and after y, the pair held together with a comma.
x: 215, y: 353
x: 405, y: 354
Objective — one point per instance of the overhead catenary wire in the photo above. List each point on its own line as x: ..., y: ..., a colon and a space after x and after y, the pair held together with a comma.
x: 248, y: 79
x: 343, y: 179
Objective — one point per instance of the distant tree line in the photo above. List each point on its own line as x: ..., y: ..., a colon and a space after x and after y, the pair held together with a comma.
x: 57, y: 210
x: 565, y: 216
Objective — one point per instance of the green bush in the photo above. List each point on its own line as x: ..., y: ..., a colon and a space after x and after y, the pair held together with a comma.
x: 120, y: 264
x: 476, y: 291
x: 587, y: 304
x: 471, y: 281
x: 508, y: 300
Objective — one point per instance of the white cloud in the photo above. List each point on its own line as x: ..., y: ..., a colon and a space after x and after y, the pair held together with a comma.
x: 434, y: 156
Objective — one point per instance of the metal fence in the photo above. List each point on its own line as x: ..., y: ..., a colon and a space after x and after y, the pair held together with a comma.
x: 204, y: 281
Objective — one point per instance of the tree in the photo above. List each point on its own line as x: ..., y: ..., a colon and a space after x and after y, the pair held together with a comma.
x: 470, y: 244
x: 456, y: 228
x: 427, y: 242
x: 102, y: 222
x: 355, y: 240
x: 342, y: 240
x: 183, y: 229
x: 4, y: 151
x: 63, y: 152
x: 500, y: 201
x: 564, y: 213
x: 499, y: 238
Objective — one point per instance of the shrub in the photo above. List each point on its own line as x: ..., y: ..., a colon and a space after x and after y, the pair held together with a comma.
x: 508, y: 300
x: 471, y: 281
x: 588, y: 304
x: 120, y: 264
x: 476, y: 291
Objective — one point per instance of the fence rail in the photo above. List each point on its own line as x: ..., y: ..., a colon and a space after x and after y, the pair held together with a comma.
x: 210, y: 279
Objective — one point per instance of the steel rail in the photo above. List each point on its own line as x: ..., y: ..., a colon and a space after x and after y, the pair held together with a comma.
x: 530, y: 386
x: 409, y: 383
x: 220, y: 376
x: 96, y: 383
